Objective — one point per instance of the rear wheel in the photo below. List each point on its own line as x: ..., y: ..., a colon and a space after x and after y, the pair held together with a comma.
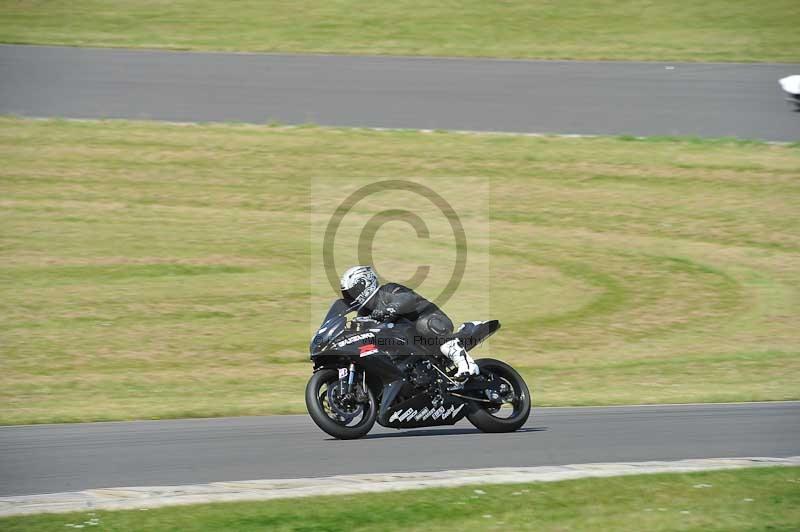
x: 343, y: 416
x: 512, y: 411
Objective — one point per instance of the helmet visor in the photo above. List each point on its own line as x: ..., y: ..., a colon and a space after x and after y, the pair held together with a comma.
x: 353, y: 293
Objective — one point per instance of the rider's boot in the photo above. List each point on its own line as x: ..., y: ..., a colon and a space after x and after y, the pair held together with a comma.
x: 464, y: 363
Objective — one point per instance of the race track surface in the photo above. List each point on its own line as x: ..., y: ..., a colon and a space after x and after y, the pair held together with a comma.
x: 709, y: 100
x: 58, y: 458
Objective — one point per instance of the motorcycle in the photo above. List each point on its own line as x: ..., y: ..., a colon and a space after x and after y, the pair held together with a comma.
x: 367, y: 371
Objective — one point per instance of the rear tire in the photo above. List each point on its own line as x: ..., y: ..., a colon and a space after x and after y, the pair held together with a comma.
x: 317, y: 411
x: 483, y: 419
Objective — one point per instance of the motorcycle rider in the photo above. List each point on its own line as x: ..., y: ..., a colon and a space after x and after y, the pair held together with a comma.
x: 390, y: 301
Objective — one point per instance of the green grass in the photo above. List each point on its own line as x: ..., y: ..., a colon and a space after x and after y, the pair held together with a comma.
x: 151, y: 270
x: 750, y: 499
x: 673, y: 30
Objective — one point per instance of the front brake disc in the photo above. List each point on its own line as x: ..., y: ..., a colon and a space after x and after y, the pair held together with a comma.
x: 342, y: 411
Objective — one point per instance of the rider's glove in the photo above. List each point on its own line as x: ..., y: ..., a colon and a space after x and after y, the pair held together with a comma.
x: 387, y: 314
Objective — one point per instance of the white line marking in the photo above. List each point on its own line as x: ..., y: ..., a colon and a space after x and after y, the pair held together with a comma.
x: 477, y: 132
x: 258, y: 490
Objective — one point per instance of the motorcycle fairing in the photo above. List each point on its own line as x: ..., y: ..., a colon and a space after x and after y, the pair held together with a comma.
x: 420, y: 411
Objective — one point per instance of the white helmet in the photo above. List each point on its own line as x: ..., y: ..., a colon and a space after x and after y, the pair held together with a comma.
x: 359, y: 283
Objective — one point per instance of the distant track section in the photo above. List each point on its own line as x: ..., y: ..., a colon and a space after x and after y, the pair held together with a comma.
x: 642, y: 99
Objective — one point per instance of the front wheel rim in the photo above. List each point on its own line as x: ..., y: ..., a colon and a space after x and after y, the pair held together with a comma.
x: 517, y: 404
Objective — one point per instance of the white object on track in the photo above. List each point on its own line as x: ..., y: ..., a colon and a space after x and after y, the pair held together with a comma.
x: 790, y: 84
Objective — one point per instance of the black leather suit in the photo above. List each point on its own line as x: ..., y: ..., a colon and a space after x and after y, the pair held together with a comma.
x: 393, y: 299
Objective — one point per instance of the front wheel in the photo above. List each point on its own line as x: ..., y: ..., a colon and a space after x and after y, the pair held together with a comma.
x: 343, y: 416
x: 513, y: 411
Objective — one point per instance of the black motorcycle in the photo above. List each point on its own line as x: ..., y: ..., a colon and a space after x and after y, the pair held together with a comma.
x: 367, y: 371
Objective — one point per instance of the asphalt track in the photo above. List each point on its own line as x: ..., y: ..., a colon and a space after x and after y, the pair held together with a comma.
x: 58, y: 458
x: 707, y: 100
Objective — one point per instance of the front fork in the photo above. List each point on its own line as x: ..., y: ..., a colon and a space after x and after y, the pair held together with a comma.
x: 348, y: 386
x: 351, y: 377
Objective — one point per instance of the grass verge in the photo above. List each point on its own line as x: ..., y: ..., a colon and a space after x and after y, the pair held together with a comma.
x: 749, y: 499
x: 674, y: 30
x: 152, y: 270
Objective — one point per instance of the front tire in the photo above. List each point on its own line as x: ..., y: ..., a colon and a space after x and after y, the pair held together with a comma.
x: 316, y: 397
x: 486, y: 417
